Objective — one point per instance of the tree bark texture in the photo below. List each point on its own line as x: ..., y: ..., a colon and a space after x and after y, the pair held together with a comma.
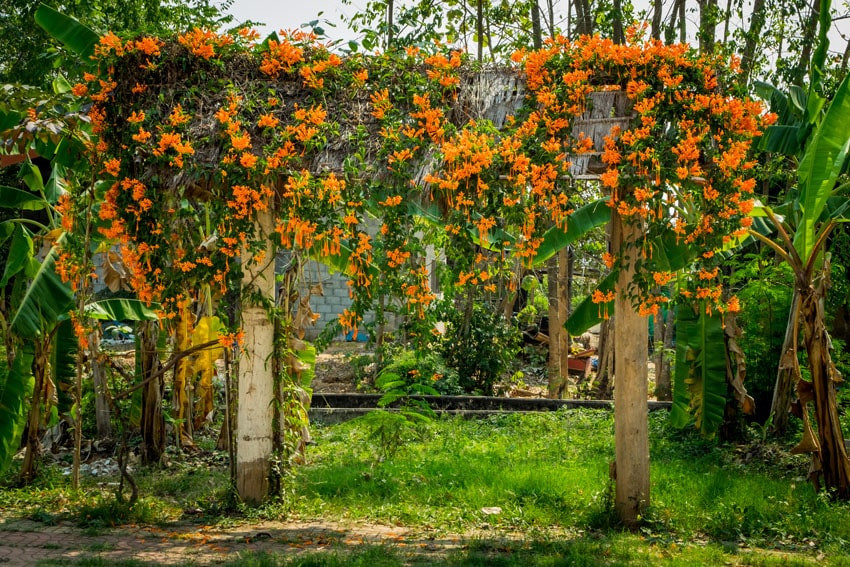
x: 565, y: 277
x: 556, y: 379
x: 102, y: 416
x: 631, y: 419
x: 830, y: 462
x: 751, y: 39
x: 33, y: 442
x: 536, y: 30
x: 256, y: 380
x: 153, y: 420
x: 810, y: 28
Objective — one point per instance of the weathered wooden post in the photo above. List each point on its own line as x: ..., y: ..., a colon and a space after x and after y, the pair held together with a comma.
x: 256, y: 380
x: 631, y: 421
x: 607, y: 110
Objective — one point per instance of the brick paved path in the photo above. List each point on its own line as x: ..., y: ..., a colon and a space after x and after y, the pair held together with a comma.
x: 25, y: 542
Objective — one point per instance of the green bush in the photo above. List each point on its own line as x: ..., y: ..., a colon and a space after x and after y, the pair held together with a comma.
x: 765, y: 295
x: 424, y: 373
x: 481, y: 349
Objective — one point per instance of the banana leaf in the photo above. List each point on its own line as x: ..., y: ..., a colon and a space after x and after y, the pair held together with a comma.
x: 20, y: 254
x: 43, y: 302
x: 67, y: 30
x: 15, y: 387
x: 578, y: 224
x: 11, y: 198
x: 120, y: 310
x: 63, y: 364
x: 668, y: 255
x: 699, y: 388
x: 588, y: 313
x: 820, y: 167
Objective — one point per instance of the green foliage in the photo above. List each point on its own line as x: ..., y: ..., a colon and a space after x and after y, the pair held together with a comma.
x: 28, y: 57
x: 16, y: 384
x: 764, y: 288
x: 537, y: 301
x: 699, y: 391
x: 390, y: 431
x: 478, y: 343
x: 575, y: 226
x: 824, y: 160
x: 420, y: 372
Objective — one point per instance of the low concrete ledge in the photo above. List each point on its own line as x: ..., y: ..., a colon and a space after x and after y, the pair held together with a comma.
x: 337, y: 408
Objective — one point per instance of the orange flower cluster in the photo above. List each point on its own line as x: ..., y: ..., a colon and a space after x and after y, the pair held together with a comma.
x: 696, y: 183
x: 443, y: 69
x: 204, y: 43
x: 280, y: 57
x: 682, y: 165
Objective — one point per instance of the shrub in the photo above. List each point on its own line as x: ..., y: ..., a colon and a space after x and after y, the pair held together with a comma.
x: 481, y: 348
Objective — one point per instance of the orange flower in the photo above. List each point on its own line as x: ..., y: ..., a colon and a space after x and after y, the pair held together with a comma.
x: 112, y: 167
x: 267, y: 121
x: 80, y: 90
x: 248, y: 160
x: 149, y: 46
x: 142, y: 136
x: 240, y: 141
x: 178, y: 116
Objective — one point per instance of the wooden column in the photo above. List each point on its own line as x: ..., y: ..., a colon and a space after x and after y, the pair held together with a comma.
x: 256, y: 380
x: 631, y: 425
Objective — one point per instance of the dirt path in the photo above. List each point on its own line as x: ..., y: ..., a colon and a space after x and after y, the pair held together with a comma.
x: 25, y: 542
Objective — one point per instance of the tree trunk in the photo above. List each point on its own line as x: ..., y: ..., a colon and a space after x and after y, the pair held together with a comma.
x: 751, y: 39
x: 619, y: 33
x: 33, y: 443
x: 102, y: 415
x: 256, y: 380
x: 390, y: 10
x: 153, y: 420
x: 664, y: 379
x: 788, y: 373
x: 707, y: 25
x: 536, y: 30
x: 657, y: 9
x: 584, y: 17
x: 550, y: 5
x: 603, y: 386
x: 663, y: 340
x: 809, y: 29
x: 829, y: 455
x: 556, y: 379
x: 631, y: 423
x: 479, y: 29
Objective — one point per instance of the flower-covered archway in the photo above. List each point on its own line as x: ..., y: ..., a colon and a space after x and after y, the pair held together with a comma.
x: 217, y: 151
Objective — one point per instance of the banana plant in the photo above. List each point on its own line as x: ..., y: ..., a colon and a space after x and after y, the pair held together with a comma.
x: 700, y: 376
x: 33, y: 298
x: 820, y: 202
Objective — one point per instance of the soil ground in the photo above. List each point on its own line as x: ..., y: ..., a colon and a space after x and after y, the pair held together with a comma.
x: 24, y: 542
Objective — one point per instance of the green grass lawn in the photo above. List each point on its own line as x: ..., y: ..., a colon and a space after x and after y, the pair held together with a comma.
x: 547, y: 474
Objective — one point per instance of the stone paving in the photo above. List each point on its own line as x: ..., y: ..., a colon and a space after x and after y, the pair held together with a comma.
x: 25, y: 542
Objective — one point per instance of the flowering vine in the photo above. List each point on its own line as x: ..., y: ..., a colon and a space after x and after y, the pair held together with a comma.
x: 200, y: 134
